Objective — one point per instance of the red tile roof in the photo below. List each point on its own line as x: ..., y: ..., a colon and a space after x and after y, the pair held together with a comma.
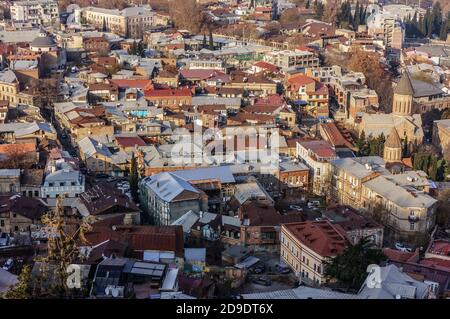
x: 204, y: 75
x: 320, y: 148
x: 320, y: 236
x: 436, y: 263
x: 440, y: 247
x: 130, y: 141
x: 400, y: 256
x: 300, y: 80
x: 167, y: 238
x: 168, y: 92
x: 334, y: 136
x: 135, y: 84
x: 267, y: 66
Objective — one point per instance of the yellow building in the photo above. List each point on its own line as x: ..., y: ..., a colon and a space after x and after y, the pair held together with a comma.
x: 306, y: 246
x: 9, y: 86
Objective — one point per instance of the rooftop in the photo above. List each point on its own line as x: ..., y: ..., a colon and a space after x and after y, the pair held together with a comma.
x: 320, y: 236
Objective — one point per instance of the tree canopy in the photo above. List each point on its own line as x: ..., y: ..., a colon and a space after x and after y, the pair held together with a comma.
x: 350, y: 267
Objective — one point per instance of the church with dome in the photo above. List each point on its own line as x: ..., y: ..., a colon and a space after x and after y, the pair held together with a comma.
x: 43, y: 43
x: 52, y: 57
x: 404, y: 120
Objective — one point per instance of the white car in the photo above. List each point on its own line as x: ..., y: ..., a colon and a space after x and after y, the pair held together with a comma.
x: 8, y: 264
x: 401, y: 247
x: 295, y: 207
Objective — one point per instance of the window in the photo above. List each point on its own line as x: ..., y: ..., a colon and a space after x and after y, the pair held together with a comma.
x: 411, y: 226
x: 2, y: 223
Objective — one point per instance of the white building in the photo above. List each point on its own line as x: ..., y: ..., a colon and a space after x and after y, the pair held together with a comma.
x: 317, y: 154
x: 62, y: 179
x: 35, y: 11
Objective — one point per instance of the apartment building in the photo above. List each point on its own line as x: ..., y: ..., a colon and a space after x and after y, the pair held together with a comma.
x: 408, y: 210
x: 349, y: 174
x: 39, y: 12
x: 364, y: 183
x: 441, y: 137
x: 307, y: 246
x: 342, y: 86
x: 317, y: 155
x: 288, y: 60
x: 130, y: 22
x: 313, y: 94
x: 202, y: 64
x: 387, y: 27
x: 9, y: 86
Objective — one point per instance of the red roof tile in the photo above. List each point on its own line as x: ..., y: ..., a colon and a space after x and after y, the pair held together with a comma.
x: 130, y: 141
x: 135, y: 84
x: 320, y: 236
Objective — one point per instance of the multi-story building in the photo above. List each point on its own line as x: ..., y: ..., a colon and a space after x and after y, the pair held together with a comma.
x: 400, y: 199
x: 441, y: 137
x: 349, y: 174
x: 288, y: 60
x: 167, y: 197
x: 307, y: 246
x: 407, y: 210
x: 313, y: 93
x: 9, y: 86
x: 37, y: 12
x: 387, y: 27
x: 317, y: 155
x: 130, y: 22
x: 200, y: 64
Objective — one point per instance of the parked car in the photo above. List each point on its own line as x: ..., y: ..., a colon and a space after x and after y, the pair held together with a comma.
x: 101, y: 175
x: 401, y: 247
x: 313, y: 203
x: 296, y: 207
x: 63, y: 135
x: 262, y: 281
x: 8, y: 264
x: 282, y: 269
x: 258, y: 269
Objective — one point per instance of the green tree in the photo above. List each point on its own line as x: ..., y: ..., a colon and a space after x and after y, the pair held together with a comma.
x: 204, y: 41
x: 361, y: 143
x: 22, y: 290
x: 140, y: 49
x: 443, y: 208
x: 350, y: 267
x: 433, y: 168
x: 444, y: 30
x: 357, y: 16
x: 320, y: 8
x: 134, y: 179
x: 133, y: 50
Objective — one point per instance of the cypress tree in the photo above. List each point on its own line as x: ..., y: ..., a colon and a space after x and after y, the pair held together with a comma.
x: 433, y: 169
x: 134, y: 179
x: 357, y: 17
